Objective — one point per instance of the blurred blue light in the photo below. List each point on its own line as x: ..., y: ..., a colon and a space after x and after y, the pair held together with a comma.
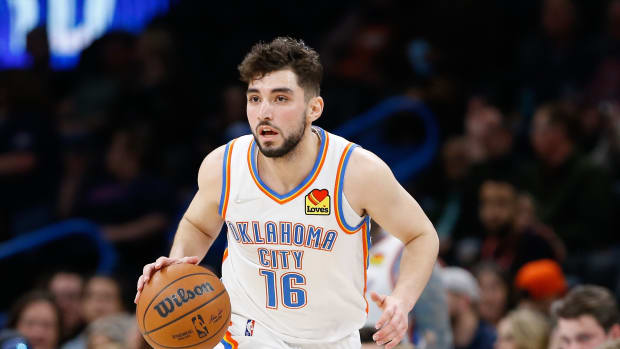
x: 72, y: 25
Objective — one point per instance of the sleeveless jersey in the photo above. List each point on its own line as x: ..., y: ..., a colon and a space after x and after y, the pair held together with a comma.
x: 295, y: 263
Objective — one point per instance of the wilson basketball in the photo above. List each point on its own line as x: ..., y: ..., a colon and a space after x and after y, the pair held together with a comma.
x: 183, y: 306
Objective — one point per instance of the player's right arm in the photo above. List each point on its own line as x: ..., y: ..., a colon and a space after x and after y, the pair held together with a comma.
x: 200, y: 224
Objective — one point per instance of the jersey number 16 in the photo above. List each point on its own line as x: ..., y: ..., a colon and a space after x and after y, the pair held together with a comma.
x: 292, y: 296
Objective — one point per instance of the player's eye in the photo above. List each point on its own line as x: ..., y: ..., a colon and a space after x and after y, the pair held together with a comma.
x: 281, y: 99
x: 253, y: 99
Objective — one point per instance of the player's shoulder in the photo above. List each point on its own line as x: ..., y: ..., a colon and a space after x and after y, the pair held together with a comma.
x: 215, y: 157
x: 364, y: 171
x: 365, y: 162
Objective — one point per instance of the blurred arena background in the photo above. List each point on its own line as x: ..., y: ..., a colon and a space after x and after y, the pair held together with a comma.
x: 501, y: 117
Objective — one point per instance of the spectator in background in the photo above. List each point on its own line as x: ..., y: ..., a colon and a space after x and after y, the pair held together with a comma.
x: 168, y: 102
x: 26, y: 154
x: 431, y: 318
x: 572, y: 194
x: 37, y: 317
x: 485, y: 131
x: 539, y: 284
x: 444, y: 203
x: 102, y: 297
x: 233, y: 114
x: 67, y: 288
x: 523, y: 329
x: 109, y: 332
x: 556, y: 62
x: 494, y: 292
x: 503, y: 242
x: 228, y: 122
x: 605, y: 85
x: 468, y: 330
x: 586, y: 317
x: 77, y: 157
x: 490, y: 142
x: 606, y: 152
x: 429, y: 321
x: 527, y: 220
x: 132, y: 205
x: 134, y: 339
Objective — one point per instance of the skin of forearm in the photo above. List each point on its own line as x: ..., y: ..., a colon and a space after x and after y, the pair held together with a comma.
x: 416, y: 266
x: 190, y: 241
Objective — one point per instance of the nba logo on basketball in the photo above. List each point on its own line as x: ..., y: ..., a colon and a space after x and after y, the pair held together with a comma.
x: 200, y: 326
x: 317, y: 202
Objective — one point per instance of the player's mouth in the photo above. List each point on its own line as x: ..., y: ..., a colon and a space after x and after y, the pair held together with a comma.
x: 267, y: 133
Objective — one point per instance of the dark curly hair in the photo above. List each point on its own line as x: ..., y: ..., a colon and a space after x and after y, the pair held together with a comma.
x: 283, y: 53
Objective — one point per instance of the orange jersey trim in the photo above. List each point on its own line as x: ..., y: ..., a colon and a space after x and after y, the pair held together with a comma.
x: 225, y: 255
x: 365, y: 242
x: 230, y: 341
x: 344, y: 158
x: 226, y: 178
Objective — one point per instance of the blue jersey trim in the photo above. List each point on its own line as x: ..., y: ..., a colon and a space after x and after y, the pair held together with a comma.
x: 339, y: 193
x: 302, y: 184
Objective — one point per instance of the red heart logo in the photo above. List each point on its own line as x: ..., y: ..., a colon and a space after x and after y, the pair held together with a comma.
x: 319, y: 195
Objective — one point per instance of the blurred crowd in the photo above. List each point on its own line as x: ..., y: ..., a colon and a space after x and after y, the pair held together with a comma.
x: 524, y: 191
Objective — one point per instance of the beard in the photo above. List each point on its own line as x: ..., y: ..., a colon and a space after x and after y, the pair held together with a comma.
x: 287, y: 146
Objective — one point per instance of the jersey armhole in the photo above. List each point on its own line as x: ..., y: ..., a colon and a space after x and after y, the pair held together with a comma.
x: 226, y: 179
x: 342, y: 205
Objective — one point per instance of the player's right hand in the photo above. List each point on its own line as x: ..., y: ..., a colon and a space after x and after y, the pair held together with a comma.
x: 160, y: 263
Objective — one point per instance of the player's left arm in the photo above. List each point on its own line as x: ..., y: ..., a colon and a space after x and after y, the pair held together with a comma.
x: 371, y: 187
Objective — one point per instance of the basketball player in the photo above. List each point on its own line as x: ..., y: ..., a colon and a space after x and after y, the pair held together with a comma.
x: 297, y: 202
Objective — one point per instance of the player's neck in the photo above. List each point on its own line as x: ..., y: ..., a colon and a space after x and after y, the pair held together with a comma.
x: 284, y: 173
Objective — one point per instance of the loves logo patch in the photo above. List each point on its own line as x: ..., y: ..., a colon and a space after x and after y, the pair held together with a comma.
x: 317, y: 202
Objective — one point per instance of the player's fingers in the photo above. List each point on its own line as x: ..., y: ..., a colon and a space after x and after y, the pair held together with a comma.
x: 161, y: 262
x: 140, y: 283
x: 384, y: 337
x: 394, y: 342
x: 377, y: 298
x: 190, y: 259
x: 389, y: 343
x: 390, y: 338
x: 135, y: 300
x: 395, y: 327
x: 401, y: 332
x: 385, y: 317
x: 384, y: 334
x: 147, y: 271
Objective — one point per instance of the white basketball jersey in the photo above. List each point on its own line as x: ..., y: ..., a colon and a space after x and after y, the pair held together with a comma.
x: 295, y: 263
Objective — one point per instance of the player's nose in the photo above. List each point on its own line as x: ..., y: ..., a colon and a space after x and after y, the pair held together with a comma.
x: 265, y: 111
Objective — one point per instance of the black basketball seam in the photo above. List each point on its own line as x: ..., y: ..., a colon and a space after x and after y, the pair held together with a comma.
x: 163, y: 289
x: 225, y: 323
x: 189, y: 312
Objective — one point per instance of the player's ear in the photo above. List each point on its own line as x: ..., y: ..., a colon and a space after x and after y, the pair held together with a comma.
x: 315, y: 108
